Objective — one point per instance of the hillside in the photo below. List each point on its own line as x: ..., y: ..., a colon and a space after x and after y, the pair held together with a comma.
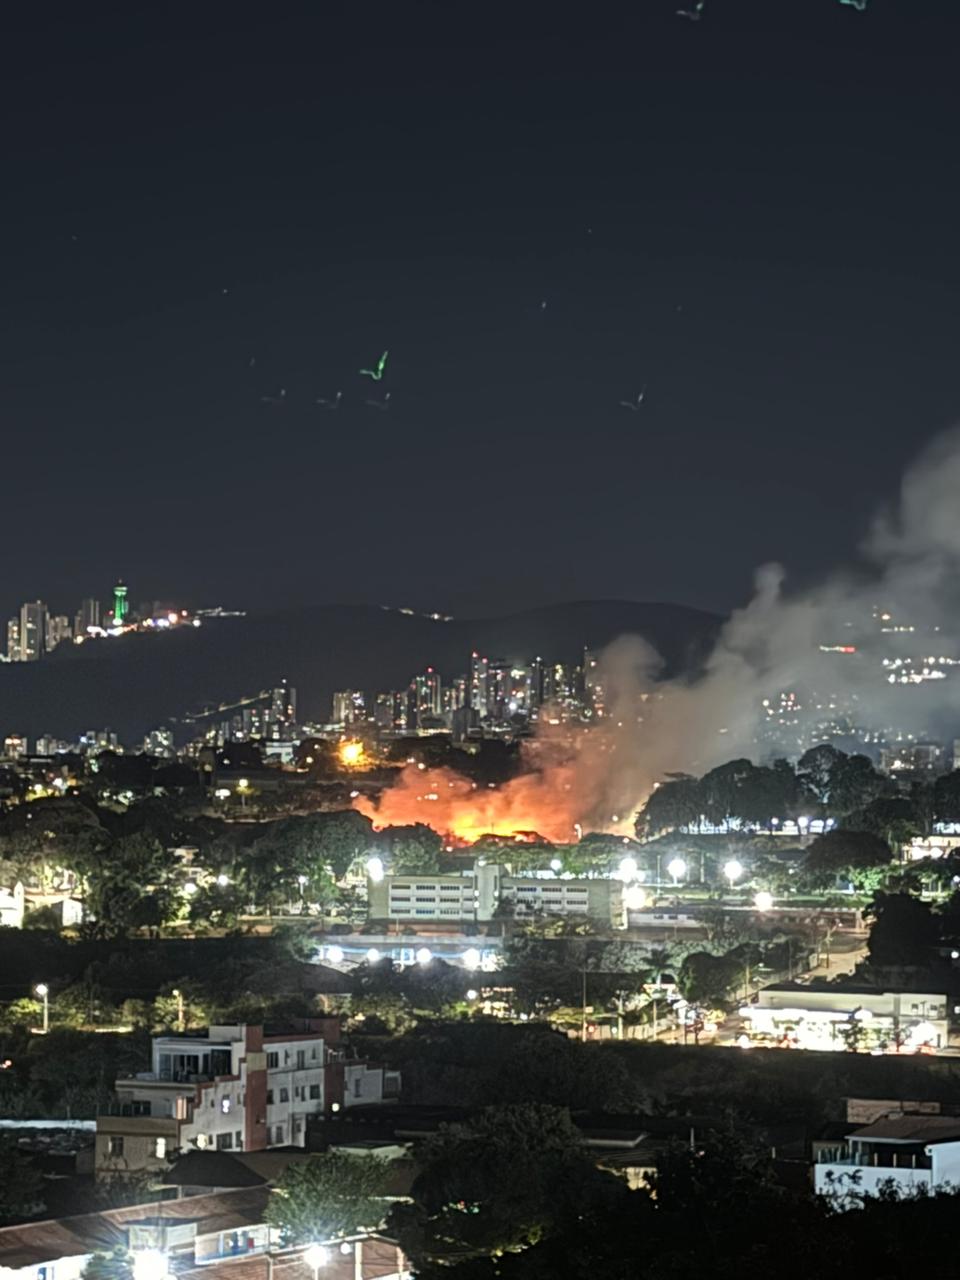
x: 138, y: 682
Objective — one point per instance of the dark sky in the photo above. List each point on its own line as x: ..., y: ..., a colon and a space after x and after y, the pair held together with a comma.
x: 754, y: 216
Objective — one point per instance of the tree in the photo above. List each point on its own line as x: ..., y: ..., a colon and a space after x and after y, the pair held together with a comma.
x: 815, y: 772
x: 705, y: 979
x: 674, y: 804
x: 854, y: 784
x: 892, y: 818
x: 20, y: 1183
x: 414, y: 850
x: 946, y: 797
x: 504, y: 1181
x: 327, y: 1196
x: 855, y: 855
x: 904, y: 930
x: 115, y: 1265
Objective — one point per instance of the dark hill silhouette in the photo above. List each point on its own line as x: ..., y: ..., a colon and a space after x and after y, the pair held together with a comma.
x: 138, y: 682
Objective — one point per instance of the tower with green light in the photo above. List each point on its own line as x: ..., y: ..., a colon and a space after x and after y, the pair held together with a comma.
x: 120, y: 605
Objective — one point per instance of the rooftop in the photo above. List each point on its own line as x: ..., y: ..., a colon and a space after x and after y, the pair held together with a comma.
x: 910, y: 1129
x: 37, y: 1243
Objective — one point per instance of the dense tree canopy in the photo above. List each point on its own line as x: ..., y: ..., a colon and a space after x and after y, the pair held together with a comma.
x: 854, y: 855
x: 327, y: 1196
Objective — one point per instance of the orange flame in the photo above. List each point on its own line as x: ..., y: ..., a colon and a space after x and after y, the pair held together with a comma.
x: 463, y: 811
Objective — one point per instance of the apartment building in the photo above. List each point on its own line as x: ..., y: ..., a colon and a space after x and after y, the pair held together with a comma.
x: 229, y: 1088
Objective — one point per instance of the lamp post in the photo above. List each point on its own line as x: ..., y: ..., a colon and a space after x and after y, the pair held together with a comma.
x: 316, y: 1256
x: 43, y: 991
x: 150, y: 1264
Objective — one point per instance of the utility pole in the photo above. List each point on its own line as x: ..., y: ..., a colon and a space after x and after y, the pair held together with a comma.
x: 583, y: 1005
x: 181, y: 1016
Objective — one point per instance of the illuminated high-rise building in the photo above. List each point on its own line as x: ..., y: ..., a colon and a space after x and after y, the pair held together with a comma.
x: 478, y: 685
x: 89, y: 616
x: 13, y: 640
x: 282, y: 712
x: 58, y: 630
x: 499, y: 688
x: 427, y: 695
x: 349, y: 707
x: 391, y: 710
x: 121, y: 606
x: 33, y: 630
x: 592, y: 685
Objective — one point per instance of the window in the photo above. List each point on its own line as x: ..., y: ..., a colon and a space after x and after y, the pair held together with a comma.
x: 238, y: 1139
x: 301, y: 1059
x: 160, y: 1148
x: 278, y: 1133
x: 314, y: 1093
x: 286, y: 1057
x: 273, y: 1060
x: 357, y: 1086
x: 224, y: 1141
x: 313, y: 1053
x: 115, y: 1146
x: 269, y: 1097
x: 284, y: 1094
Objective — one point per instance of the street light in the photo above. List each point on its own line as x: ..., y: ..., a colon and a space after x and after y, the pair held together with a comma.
x: 335, y: 954
x: 43, y: 991
x: 375, y: 869
x: 472, y: 994
x: 150, y: 1264
x: 628, y: 869
x: 556, y: 865
x: 223, y: 880
x: 763, y: 901
x: 373, y: 956
x: 677, y: 869
x: 424, y: 955
x: 316, y: 1256
x: 733, y: 870
x: 472, y: 958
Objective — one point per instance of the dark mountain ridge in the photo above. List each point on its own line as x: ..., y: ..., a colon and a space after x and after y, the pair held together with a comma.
x: 137, y: 682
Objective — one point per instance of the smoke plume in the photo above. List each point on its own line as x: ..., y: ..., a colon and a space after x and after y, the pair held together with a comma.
x: 869, y: 651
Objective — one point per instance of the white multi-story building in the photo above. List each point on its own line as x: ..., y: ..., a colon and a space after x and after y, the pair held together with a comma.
x: 230, y: 1088
x: 479, y: 894
x: 907, y: 1151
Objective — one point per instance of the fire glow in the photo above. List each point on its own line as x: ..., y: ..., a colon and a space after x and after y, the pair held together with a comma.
x: 463, y: 811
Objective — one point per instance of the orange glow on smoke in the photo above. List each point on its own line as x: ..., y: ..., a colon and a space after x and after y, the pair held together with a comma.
x: 464, y: 811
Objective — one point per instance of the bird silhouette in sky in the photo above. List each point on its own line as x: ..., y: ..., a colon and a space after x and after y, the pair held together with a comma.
x: 696, y: 12
x: 278, y: 399
x: 383, y: 404
x: 331, y: 404
x: 634, y: 405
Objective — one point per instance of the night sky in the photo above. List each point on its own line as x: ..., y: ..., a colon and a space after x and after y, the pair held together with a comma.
x: 754, y: 216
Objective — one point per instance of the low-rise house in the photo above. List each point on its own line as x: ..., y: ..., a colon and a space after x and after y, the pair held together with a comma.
x: 907, y: 1152
x: 12, y: 905
x: 213, y: 1236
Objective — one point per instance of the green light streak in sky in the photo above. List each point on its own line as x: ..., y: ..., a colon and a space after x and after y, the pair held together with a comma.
x: 377, y: 373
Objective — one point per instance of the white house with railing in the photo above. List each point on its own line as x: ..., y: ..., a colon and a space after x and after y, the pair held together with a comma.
x: 909, y: 1152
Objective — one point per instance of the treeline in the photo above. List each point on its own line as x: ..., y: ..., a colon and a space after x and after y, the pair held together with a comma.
x: 825, y: 784
x: 130, y: 878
